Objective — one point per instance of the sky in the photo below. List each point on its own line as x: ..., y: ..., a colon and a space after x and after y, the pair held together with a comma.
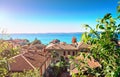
x: 49, y: 16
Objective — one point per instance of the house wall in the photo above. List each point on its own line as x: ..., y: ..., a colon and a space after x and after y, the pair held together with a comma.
x: 64, y: 54
x: 43, y: 69
x: 48, y: 62
x: 60, y: 53
x: 45, y: 66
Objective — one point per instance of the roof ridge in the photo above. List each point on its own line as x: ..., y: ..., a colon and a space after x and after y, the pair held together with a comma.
x: 28, y: 62
x: 80, y: 44
x: 60, y: 47
x: 18, y: 55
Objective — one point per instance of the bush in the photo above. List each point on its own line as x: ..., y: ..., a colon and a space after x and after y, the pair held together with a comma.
x: 104, y: 46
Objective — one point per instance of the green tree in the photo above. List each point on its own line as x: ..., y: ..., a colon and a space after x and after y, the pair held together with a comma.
x: 36, y: 41
x: 104, y: 46
x: 30, y: 73
x: 6, y: 52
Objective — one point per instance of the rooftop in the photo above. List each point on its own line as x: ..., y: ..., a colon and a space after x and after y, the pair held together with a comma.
x: 64, y: 46
x: 61, y: 47
x: 27, y: 61
x: 91, y: 62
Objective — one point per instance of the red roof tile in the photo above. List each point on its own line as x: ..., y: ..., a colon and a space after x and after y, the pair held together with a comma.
x: 19, y: 64
x: 26, y: 61
x: 91, y: 63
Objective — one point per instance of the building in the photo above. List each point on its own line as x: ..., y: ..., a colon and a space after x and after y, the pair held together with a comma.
x: 91, y: 62
x: 35, y: 47
x: 18, y: 41
x: 39, y: 55
x: 64, y: 50
x: 83, y: 47
x: 29, y: 61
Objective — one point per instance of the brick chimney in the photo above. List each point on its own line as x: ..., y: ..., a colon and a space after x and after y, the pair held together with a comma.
x: 74, y: 40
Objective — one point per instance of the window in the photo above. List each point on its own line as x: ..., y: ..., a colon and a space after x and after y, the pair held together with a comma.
x: 64, y: 53
x: 73, y: 53
x: 68, y: 52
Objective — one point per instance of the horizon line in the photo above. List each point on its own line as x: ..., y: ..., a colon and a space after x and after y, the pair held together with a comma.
x: 43, y: 33
x: 47, y: 33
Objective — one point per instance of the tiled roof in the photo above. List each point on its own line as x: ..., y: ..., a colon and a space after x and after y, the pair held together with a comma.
x: 61, y: 47
x: 91, y: 63
x: 64, y: 46
x: 35, y: 58
x: 19, y: 64
x: 37, y: 46
x: 27, y: 61
x: 82, y: 45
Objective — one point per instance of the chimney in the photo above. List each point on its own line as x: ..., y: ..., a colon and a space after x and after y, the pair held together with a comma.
x: 74, y: 40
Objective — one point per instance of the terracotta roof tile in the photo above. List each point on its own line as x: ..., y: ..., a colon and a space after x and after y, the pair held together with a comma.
x: 91, y: 63
x: 27, y: 61
x: 61, y: 47
x: 19, y: 64
x: 82, y: 45
x: 35, y: 59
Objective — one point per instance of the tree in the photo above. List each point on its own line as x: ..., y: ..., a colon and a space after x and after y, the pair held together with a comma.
x: 104, y: 46
x: 36, y: 41
x: 7, y: 50
x: 30, y: 73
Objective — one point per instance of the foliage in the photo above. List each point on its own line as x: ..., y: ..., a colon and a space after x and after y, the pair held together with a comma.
x: 54, y: 54
x: 7, y: 50
x: 30, y: 73
x: 79, y: 62
x: 59, y: 67
x: 104, y: 46
x: 36, y: 41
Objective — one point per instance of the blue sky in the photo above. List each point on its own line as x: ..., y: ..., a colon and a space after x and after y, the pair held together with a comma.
x: 44, y: 16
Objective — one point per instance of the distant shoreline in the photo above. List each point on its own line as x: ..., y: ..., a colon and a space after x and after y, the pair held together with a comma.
x: 45, y: 38
x: 49, y: 33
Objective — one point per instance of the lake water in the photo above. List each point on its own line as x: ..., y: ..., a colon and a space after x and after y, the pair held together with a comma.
x: 46, y: 37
